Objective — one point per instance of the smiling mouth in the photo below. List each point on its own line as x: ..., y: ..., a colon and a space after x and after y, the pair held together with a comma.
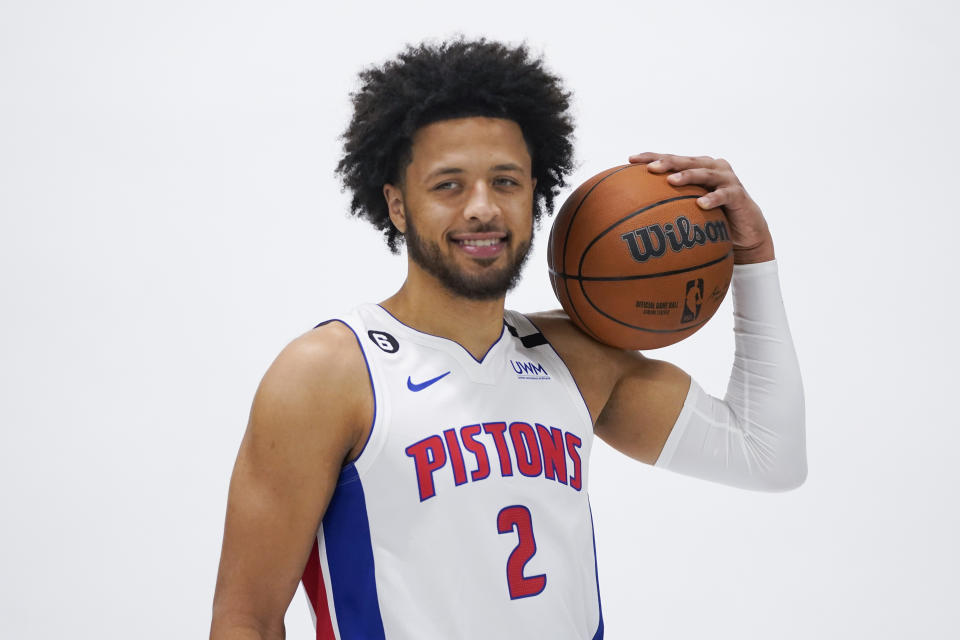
x: 482, y: 245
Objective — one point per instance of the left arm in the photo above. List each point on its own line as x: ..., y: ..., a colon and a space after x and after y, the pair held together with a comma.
x: 653, y: 412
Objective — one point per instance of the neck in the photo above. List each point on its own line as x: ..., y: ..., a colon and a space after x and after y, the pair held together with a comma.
x: 427, y: 306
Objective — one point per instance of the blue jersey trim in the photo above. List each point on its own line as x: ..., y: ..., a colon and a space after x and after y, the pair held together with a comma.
x: 346, y: 535
x: 599, y: 634
x: 373, y: 389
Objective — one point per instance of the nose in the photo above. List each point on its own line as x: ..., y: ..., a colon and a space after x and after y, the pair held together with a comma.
x: 480, y: 203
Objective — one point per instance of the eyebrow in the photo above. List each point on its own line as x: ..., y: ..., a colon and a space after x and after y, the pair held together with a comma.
x: 444, y: 171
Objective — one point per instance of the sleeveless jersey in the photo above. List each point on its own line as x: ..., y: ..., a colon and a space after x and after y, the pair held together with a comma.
x: 466, y: 513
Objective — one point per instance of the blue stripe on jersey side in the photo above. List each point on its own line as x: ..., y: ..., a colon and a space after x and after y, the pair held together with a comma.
x: 599, y: 634
x: 346, y: 534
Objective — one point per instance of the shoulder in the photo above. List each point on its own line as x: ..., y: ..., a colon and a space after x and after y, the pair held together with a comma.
x: 561, y: 332
x: 572, y: 343
x: 317, y: 389
x: 597, y: 368
x: 319, y: 359
x: 576, y: 347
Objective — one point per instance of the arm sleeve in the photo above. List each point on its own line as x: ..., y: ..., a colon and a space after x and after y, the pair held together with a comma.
x: 754, y: 438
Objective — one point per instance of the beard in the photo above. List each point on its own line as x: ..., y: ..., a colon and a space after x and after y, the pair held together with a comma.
x: 491, y: 283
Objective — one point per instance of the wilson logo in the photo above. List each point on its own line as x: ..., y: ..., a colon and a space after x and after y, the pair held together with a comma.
x: 653, y: 241
x: 529, y: 370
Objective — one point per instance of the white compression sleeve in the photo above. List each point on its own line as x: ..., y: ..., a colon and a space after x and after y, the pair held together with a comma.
x: 753, y: 438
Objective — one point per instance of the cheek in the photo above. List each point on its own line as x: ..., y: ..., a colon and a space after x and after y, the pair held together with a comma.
x: 522, y: 214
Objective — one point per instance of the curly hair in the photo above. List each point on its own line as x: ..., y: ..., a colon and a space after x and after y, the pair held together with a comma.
x: 427, y: 83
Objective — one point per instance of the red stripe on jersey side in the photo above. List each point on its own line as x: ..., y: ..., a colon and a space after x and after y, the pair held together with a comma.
x: 317, y: 593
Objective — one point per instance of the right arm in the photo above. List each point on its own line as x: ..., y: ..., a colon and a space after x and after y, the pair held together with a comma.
x: 310, y: 416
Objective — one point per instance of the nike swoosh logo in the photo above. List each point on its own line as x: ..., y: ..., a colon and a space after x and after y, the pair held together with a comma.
x: 413, y: 386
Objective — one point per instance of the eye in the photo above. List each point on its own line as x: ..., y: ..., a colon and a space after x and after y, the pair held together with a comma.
x: 504, y: 181
x: 445, y: 186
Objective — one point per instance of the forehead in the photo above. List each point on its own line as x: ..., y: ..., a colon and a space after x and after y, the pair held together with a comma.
x: 469, y: 142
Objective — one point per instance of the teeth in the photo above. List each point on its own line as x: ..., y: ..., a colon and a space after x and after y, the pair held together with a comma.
x: 480, y: 243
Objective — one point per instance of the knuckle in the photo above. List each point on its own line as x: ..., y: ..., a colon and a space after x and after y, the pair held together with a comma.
x: 734, y: 193
x: 720, y: 196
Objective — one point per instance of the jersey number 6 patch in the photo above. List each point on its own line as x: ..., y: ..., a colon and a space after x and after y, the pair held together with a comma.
x: 521, y: 586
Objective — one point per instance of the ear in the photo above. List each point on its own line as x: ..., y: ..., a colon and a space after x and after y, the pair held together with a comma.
x: 394, y: 197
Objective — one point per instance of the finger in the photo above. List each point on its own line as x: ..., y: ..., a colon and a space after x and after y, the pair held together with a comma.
x: 729, y: 196
x: 680, y: 163
x: 646, y: 157
x: 664, y: 163
x: 704, y: 177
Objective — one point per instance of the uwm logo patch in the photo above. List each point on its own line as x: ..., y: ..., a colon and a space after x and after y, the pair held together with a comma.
x: 526, y: 370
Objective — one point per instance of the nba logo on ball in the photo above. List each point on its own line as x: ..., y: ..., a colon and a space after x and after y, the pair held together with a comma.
x: 692, y: 300
x: 631, y: 256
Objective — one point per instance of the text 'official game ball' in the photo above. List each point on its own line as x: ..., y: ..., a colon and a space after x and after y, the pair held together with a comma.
x: 635, y: 262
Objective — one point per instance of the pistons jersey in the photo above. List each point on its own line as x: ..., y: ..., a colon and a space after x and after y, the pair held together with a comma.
x: 466, y: 514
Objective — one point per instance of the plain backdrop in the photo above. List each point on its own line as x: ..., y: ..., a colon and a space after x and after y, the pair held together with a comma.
x: 169, y: 220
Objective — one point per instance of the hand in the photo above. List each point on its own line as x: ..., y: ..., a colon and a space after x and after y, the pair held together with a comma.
x: 751, y: 238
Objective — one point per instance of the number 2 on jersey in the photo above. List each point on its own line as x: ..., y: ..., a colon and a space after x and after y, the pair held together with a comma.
x: 521, y: 586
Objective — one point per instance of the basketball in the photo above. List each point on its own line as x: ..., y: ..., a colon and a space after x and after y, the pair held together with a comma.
x: 635, y: 262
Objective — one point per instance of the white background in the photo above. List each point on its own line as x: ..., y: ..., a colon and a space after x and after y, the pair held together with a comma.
x: 169, y: 219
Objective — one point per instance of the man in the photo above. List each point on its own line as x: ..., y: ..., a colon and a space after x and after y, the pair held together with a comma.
x: 422, y: 464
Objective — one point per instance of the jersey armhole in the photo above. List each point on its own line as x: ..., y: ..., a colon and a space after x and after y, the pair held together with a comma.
x: 570, y: 381
x: 373, y: 388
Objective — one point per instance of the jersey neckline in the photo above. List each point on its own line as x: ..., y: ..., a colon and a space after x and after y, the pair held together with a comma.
x: 448, y: 341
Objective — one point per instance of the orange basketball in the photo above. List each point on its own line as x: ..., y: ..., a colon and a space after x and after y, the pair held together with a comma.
x: 635, y: 262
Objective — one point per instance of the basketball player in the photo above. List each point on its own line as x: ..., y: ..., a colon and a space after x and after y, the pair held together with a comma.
x: 422, y: 464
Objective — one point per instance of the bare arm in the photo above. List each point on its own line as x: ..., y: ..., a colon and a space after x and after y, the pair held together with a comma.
x: 310, y: 415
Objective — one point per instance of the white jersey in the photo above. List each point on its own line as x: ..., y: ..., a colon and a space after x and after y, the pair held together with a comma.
x: 466, y: 513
